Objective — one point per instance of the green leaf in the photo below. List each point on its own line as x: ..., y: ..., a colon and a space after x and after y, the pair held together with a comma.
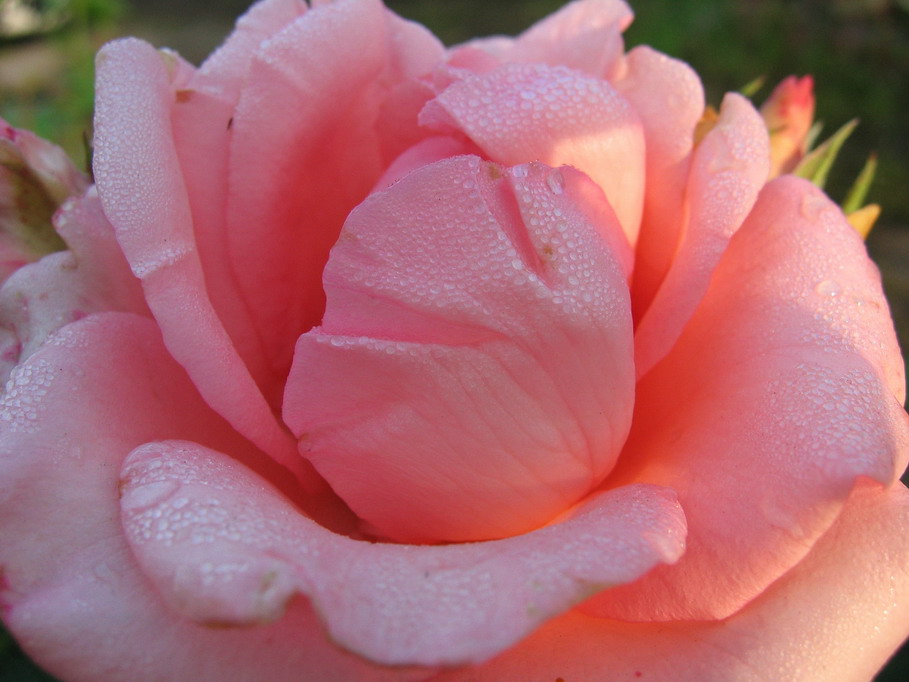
x: 855, y: 198
x: 817, y: 164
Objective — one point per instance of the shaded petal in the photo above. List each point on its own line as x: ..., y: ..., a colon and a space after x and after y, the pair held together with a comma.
x: 785, y: 387
x: 91, y: 277
x: 223, y: 548
x: 473, y: 375
x: 144, y: 196
x: 299, y: 164
x: 65, y: 566
x: 668, y: 96
x: 728, y: 170
x: 838, y: 615
x: 531, y: 112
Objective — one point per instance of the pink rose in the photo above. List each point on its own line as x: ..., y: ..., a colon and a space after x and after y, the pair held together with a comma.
x: 346, y: 302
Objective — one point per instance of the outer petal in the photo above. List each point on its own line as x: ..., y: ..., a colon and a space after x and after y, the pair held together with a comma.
x: 66, y: 286
x: 299, y: 164
x: 144, y: 196
x: 837, y: 615
x: 530, y: 112
x: 223, y: 548
x: 788, y: 382
x: 65, y: 566
x: 585, y: 35
x: 728, y: 170
x: 473, y: 375
x: 668, y: 96
x: 225, y: 72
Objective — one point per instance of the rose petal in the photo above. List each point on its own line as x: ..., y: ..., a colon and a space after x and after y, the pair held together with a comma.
x: 531, y: 112
x: 65, y: 566
x: 224, y: 548
x: 585, y: 35
x: 66, y: 286
x: 668, y: 96
x: 225, y: 71
x: 472, y: 376
x: 310, y: 169
x: 785, y: 387
x: 837, y: 615
x: 141, y: 188
x: 728, y: 170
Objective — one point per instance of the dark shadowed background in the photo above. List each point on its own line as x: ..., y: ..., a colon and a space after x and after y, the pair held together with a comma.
x: 857, y: 51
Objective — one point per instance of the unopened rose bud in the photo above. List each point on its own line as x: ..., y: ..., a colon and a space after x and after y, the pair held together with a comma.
x: 788, y: 113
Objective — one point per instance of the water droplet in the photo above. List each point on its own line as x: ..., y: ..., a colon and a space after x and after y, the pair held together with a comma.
x: 828, y: 288
x: 555, y: 181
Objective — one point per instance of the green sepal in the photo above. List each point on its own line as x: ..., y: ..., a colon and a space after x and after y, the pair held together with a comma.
x: 753, y: 87
x: 813, y: 134
x: 855, y: 197
x: 817, y: 164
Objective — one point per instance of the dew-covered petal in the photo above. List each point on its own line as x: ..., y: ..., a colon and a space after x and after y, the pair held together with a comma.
x: 223, y: 548
x: 299, y: 163
x: 472, y: 376
x: 838, y: 615
x: 65, y: 565
x: 784, y: 389
x: 728, y: 170
x: 532, y: 112
x: 141, y: 186
x: 668, y: 96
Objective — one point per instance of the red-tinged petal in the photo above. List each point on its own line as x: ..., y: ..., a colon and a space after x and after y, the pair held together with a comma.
x: 472, y: 376
x: 531, y: 112
x: 668, y: 96
x: 838, y: 615
x: 785, y: 388
x: 91, y: 277
x: 65, y: 565
x: 222, y: 547
x: 294, y: 178
x: 142, y: 190
x: 728, y: 170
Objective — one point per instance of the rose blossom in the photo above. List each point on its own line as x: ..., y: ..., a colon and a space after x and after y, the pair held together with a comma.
x: 343, y: 304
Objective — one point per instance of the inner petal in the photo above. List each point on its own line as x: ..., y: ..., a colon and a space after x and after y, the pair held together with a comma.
x: 473, y: 374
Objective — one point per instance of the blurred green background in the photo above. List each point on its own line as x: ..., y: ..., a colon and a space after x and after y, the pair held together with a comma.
x: 857, y: 51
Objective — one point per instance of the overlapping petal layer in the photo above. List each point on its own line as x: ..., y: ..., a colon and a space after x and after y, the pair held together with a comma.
x: 727, y: 171
x: 852, y: 587
x: 585, y: 35
x: 784, y: 389
x: 472, y: 376
x: 223, y: 548
x: 313, y: 167
x: 144, y: 196
x: 519, y: 113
